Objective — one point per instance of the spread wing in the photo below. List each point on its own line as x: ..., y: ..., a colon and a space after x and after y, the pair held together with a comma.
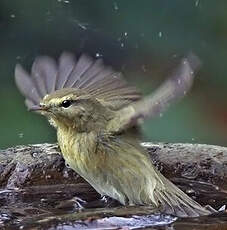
x: 98, y: 80
x: 170, y: 91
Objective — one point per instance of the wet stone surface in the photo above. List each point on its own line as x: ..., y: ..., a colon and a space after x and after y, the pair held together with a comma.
x: 39, y: 192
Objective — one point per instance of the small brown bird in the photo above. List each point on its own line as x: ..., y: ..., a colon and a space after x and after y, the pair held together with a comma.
x: 96, y: 114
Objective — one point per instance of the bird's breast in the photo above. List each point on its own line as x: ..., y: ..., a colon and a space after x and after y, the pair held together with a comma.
x: 78, y: 149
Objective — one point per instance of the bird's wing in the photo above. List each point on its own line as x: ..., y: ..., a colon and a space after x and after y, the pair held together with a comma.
x: 99, y: 81
x: 170, y: 91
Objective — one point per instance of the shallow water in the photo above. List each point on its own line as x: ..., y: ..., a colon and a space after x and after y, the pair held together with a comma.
x: 64, y: 207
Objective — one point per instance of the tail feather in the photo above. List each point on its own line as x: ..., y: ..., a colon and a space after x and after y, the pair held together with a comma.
x: 174, y: 201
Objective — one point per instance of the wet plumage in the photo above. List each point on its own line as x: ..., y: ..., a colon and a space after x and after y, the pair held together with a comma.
x: 96, y: 114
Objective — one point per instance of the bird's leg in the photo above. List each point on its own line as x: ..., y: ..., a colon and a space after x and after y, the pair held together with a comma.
x: 79, y: 202
x: 74, y: 203
x: 109, y: 202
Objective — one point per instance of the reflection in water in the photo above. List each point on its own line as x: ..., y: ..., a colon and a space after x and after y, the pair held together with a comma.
x: 57, y: 207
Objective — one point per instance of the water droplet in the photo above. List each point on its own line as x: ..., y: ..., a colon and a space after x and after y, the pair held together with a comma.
x: 66, y: 1
x: 190, y: 191
x: 160, y: 34
x: 98, y: 55
x: 12, y: 15
x: 20, y: 135
x: 144, y: 68
x: 122, y: 44
x: 65, y: 174
x: 126, y: 34
x: 115, y: 6
x: 34, y: 154
x: 48, y: 176
x: 82, y: 26
x: 197, y: 3
x: 161, y: 115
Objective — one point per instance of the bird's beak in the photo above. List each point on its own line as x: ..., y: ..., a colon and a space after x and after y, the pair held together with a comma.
x: 38, y: 108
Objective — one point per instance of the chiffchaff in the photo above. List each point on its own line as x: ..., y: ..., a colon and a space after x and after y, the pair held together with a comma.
x: 96, y: 114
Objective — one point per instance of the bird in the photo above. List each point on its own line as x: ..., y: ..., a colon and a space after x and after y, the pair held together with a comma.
x: 97, y: 115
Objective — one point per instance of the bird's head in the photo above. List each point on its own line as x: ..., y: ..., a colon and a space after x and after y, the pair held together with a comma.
x: 73, y: 108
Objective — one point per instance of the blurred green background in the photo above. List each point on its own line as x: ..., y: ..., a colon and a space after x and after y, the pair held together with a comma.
x: 142, y: 38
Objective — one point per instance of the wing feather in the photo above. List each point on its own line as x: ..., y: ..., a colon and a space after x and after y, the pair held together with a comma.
x: 67, y: 62
x: 29, y: 103
x: 44, y: 72
x: 103, y: 83
x: 90, y: 74
x: 170, y: 91
x: 105, y: 73
x: 86, y: 73
x: 26, y: 84
x: 80, y: 68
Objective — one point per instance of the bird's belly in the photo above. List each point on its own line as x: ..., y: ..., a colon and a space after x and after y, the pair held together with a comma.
x: 79, y: 154
x: 110, y: 173
x: 96, y: 178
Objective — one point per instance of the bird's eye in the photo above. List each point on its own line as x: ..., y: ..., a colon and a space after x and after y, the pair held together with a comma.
x: 66, y: 103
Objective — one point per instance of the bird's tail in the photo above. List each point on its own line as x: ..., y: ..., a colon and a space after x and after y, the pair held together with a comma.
x: 174, y: 201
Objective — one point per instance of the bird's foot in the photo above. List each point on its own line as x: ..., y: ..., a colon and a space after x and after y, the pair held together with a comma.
x: 79, y: 202
x: 74, y: 203
x: 109, y: 202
